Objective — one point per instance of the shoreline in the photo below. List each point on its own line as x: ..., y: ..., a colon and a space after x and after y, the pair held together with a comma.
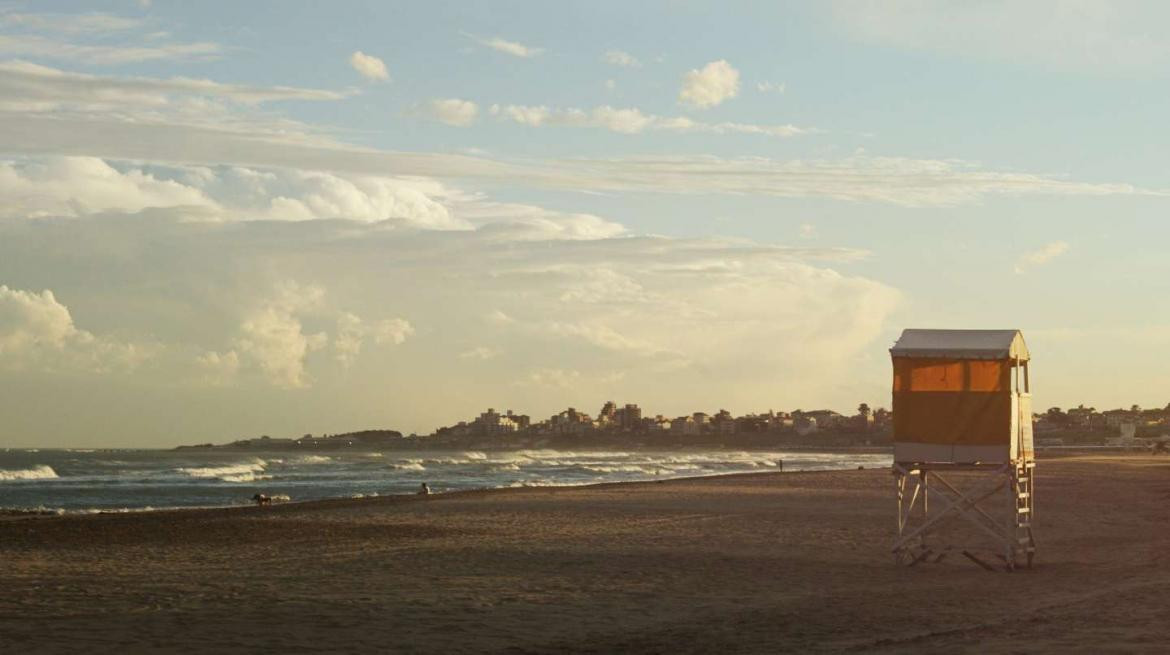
x: 748, y: 562
x: 18, y: 514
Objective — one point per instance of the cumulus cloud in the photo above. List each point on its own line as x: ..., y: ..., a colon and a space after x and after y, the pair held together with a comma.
x: 369, y: 66
x: 38, y: 331
x: 218, y: 369
x: 632, y: 121
x: 34, y: 320
x: 764, y: 319
x: 83, y: 186
x: 507, y: 47
x: 1040, y: 256
x: 273, y: 338
x: 72, y: 186
x: 392, y: 331
x: 352, y: 332
x: 452, y: 111
x: 621, y: 58
x: 710, y: 85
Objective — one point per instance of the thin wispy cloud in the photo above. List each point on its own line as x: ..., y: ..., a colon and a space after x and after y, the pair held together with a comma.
x: 631, y: 120
x: 91, y: 23
x: 51, y: 88
x: 32, y: 45
x: 1041, y: 256
x: 621, y: 58
x: 498, y: 44
x: 1098, y: 37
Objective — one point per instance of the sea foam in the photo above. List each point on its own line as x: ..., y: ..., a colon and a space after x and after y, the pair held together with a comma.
x: 35, y: 473
x: 242, y: 472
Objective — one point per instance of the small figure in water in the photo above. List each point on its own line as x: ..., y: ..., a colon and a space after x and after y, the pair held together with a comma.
x: 262, y: 500
x: 424, y: 490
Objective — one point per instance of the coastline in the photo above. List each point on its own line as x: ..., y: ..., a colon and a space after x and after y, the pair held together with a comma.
x: 10, y: 514
x: 752, y: 562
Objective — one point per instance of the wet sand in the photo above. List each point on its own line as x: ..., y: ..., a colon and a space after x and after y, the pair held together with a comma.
x: 792, y: 562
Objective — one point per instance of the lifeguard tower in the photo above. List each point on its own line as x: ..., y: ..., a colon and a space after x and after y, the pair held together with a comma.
x: 962, y: 406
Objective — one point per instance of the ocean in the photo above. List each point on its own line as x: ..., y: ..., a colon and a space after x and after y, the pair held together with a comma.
x: 79, y: 481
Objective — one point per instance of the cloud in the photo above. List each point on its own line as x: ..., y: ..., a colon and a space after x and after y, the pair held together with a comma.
x: 551, y: 377
x: 71, y: 186
x: 219, y: 369
x: 28, y: 86
x: 481, y: 353
x: 273, y: 338
x: 900, y: 181
x: 452, y: 111
x: 369, y: 66
x: 32, y: 320
x: 48, y: 112
x: 70, y: 23
x: 32, y: 45
x: 352, y: 331
x: 600, y: 335
x: 1040, y: 256
x: 94, y: 39
x: 84, y: 186
x: 273, y: 307
x: 710, y: 85
x: 620, y: 58
x: 507, y: 47
x: 860, y: 178
x: 37, y: 331
x: 1076, y: 36
x: 392, y: 331
x: 632, y: 121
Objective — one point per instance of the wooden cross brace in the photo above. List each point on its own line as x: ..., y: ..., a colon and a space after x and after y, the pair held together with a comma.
x: 954, y: 503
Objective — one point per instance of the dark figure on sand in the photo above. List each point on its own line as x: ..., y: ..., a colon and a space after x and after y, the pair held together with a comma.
x: 424, y: 490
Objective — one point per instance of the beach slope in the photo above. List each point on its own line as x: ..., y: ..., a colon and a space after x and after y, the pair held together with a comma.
x: 795, y: 562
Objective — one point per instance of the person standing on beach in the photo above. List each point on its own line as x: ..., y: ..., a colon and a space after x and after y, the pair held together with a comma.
x: 424, y: 490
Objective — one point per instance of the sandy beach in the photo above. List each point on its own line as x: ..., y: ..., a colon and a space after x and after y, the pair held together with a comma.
x: 794, y: 562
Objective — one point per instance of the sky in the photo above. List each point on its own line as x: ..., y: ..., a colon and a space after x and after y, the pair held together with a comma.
x: 224, y: 219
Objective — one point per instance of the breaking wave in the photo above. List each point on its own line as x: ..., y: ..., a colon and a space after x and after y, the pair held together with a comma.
x: 243, y: 472
x: 35, y: 473
x: 107, y: 480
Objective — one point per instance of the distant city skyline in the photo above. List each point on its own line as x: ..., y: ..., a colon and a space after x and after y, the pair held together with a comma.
x: 221, y: 218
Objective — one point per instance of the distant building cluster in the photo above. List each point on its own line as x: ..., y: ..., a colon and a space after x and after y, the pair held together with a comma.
x: 1134, y: 419
x: 628, y: 418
